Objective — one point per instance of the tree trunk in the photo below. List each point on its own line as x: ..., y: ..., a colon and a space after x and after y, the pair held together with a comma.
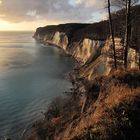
x: 112, y: 34
x: 127, y: 33
x: 139, y: 59
x: 139, y: 52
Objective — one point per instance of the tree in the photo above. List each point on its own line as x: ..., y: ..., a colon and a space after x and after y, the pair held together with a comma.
x: 127, y: 4
x: 139, y: 54
x: 128, y: 26
x: 112, y: 34
x: 127, y: 32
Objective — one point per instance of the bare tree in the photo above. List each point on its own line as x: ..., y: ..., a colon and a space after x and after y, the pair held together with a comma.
x: 112, y: 34
x: 127, y: 4
x: 138, y: 43
x: 127, y: 32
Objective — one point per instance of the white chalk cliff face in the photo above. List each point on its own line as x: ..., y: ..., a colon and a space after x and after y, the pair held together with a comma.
x: 61, y: 40
x: 82, y: 50
x: 104, y: 64
x: 96, y: 55
x: 87, y: 49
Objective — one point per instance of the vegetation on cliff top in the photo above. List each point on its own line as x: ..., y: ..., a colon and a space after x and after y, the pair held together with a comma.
x: 97, y: 31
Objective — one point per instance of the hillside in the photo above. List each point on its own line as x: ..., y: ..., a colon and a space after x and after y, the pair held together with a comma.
x: 111, y: 111
x: 103, y: 103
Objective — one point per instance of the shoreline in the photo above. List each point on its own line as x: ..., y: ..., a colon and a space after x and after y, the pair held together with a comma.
x: 52, y: 126
x: 101, y: 103
x: 68, y: 76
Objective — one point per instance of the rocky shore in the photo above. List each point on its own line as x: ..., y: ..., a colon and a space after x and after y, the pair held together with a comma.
x: 103, y: 103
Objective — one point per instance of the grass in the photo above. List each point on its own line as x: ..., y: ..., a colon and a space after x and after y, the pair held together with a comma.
x: 113, y: 114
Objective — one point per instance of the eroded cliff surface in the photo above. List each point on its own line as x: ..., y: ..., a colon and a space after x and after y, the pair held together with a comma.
x: 103, y: 104
x: 91, y: 44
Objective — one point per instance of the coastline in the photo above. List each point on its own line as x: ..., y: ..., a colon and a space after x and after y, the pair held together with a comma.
x: 82, y: 101
x: 102, y: 101
x: 70, y: 76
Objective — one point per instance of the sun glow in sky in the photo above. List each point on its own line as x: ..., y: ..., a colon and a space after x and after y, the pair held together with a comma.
x: 23, y: 26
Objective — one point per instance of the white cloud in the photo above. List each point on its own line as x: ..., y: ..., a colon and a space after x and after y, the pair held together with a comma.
x: 89, y: 3
x: 31, y: 13
x: 78, y: 1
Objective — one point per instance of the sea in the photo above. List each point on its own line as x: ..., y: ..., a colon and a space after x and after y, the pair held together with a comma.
x: 31, y: 76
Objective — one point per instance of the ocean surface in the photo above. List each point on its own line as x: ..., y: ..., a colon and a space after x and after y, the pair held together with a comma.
x: 31, y: 75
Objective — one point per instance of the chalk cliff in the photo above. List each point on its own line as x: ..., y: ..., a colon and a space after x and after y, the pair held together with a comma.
x: 103, y: 104
x: 90, y: 44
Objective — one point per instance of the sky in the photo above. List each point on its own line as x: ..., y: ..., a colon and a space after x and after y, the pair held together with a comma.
x: 30, y: 14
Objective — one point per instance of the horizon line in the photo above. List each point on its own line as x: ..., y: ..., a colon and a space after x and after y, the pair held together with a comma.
x: 17, y: 30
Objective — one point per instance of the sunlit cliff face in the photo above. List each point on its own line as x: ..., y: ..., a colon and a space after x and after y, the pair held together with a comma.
x: 29, y: 14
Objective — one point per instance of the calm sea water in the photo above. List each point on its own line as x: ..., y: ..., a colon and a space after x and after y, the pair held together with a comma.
x: 31, y: 74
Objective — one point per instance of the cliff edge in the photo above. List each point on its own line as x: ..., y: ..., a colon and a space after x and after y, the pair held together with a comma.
x: 90, y: 44
x: 103, y: 103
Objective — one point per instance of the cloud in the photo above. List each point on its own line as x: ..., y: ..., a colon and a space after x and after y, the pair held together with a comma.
x: 31, y: 13
x: 88, y: 3
x: 50, y: 10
